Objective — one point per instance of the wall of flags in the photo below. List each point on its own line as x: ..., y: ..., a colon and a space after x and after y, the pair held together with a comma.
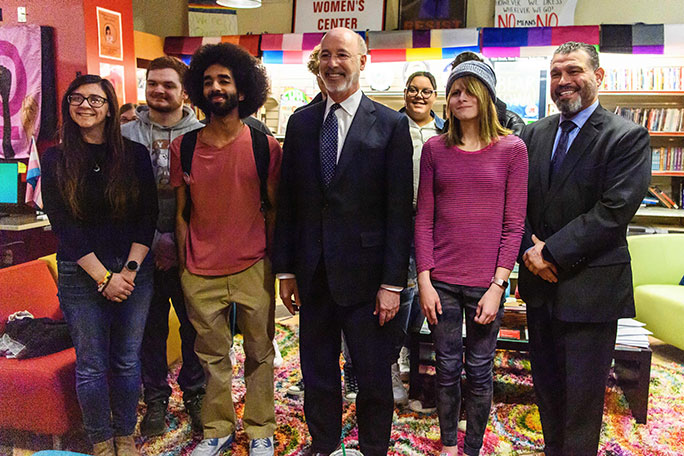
x: 408, y: 45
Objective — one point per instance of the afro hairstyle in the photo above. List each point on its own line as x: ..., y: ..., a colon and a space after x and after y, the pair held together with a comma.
x: 249, y: 75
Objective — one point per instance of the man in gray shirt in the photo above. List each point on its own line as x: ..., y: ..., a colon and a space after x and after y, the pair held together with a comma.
x: 157, y: 125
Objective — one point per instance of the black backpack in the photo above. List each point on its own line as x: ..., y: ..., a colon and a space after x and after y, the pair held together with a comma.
x: 262, y: 158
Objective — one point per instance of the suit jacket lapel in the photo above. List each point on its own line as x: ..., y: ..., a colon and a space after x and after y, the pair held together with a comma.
x: 578, y: 149
x: 547, y: 139
x: 362, y: 123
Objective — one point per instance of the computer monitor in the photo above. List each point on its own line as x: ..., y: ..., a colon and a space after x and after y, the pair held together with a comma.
x: 9, y: 183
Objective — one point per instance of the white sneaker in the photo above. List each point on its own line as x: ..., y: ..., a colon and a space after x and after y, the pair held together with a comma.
x: 296, y: 389
x: 261, y: 447
x: 398, y: 390
x: 278, y: 358
x: 417, y: 406
x: 213, y: 447
x: 404, y: 363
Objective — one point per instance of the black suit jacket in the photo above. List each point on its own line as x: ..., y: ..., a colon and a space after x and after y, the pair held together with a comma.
x: 361, y: 224
x: 583, y: 215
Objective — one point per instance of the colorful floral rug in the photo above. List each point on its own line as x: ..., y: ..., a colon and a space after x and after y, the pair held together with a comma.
x: 514, y: 427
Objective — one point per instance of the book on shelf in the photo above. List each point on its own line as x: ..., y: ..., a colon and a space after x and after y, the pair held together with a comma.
x: 654, y: 119
x: 662, y: 197
x: 666, y: 159
x: 663, y: 78
x: 649, y: 201
x: 667, y: 197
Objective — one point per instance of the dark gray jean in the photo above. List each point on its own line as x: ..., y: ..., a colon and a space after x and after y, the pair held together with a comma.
x: 479, y: 356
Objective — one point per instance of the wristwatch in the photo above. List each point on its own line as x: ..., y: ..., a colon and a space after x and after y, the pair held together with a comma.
x: 133, y: 266
x: 500, y: 282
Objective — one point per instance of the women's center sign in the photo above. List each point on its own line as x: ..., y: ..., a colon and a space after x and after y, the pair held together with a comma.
x: 323, y: 15
x: 534, y: 13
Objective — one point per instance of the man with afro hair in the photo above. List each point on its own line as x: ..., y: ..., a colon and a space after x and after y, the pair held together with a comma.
x: 223, y: 244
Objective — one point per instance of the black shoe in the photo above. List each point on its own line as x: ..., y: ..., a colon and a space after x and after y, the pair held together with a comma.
x: 193, y: 406
x: 154, y: 421
x: 351, y: 388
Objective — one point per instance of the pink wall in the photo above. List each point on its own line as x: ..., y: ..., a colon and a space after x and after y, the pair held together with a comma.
x: 75, y: 28
x: 66, y: 18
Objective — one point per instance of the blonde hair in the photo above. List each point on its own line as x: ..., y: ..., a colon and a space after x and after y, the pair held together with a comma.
x: 314, y: 63
x: 490, y: 128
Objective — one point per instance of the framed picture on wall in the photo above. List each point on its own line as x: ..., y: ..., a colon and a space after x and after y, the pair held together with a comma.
x: 115, y: 75
x: 109, y: 34
x: 432, y: 14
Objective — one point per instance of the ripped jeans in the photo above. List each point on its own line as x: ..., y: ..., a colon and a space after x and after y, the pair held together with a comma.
x: 479, y: 356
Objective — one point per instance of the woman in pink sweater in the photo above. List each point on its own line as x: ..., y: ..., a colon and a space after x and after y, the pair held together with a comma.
x: 470, y: 219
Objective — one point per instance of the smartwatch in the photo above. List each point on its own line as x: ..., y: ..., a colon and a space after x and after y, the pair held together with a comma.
x: 500, y: 282
x: 133, y: 266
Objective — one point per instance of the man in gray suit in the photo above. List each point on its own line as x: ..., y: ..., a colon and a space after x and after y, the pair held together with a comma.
x: 589, y: 170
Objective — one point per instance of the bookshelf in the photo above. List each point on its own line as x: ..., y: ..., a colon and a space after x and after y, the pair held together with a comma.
x: 634, y: 96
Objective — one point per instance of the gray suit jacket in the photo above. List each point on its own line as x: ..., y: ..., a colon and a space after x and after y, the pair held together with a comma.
x: 583, y: 215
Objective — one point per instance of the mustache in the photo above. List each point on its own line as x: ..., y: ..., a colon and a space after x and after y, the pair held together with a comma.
x: 217, y: 94
x: 565, y: 87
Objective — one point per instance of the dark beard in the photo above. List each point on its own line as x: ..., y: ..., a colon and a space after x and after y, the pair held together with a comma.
x: 223, y: 108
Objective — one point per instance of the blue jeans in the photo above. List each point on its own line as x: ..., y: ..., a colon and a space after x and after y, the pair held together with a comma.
x: 409, y: 314
x: 447, y: 338
x: 107, y: 337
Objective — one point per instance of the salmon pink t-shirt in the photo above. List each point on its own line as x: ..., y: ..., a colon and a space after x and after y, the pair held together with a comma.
x: 227, y: 231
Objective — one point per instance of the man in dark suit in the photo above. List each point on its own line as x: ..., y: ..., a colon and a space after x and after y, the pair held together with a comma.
x: 342, y: 243
x: 589, y: 170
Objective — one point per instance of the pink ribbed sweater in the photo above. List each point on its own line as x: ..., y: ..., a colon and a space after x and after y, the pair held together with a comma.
x: 471, y: 210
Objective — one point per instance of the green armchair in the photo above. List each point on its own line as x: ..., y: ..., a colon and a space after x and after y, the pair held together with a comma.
x: 658, y: 267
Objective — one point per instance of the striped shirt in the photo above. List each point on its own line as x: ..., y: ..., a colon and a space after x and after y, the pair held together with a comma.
x: 471, y: 210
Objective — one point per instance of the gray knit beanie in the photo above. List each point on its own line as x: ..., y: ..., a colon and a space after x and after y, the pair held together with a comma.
x: 480, y: 70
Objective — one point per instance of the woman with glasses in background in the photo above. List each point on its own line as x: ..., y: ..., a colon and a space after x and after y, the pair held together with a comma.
x: 101, y: 199
x: 420, y: 95
x: 471, y: 211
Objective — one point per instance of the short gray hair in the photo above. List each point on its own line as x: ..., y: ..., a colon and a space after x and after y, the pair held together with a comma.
x: 363, y: 49
x: 572, y: 46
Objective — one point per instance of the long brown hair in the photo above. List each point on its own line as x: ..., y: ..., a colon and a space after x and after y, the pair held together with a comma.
x: 490, y: 128
x: 76, y: 164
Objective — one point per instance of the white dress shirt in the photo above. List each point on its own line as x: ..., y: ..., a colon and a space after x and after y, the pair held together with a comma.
x: 345, y: 116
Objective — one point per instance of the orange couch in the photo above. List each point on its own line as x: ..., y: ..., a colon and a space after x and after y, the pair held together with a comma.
x: 37, y: 394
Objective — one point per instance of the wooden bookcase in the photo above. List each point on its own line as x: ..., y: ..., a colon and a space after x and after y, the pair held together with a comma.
x: 671, y: 182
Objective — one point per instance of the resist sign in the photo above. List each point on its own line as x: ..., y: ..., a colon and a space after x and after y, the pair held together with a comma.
x: 534, y: 13
x: 323, y: 15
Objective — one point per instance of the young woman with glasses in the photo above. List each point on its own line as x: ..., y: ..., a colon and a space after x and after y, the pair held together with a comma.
x: 101, y: 199
x: 471, y: 209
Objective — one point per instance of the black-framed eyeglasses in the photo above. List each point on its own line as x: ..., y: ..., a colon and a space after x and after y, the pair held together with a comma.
x: 95, y: 101
x: 413, y: 91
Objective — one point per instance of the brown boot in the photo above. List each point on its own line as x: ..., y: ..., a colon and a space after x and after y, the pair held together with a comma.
x: 105, y: 448
x: 125, y: 446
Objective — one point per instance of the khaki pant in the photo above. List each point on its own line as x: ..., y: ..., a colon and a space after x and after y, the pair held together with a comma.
x: 209, y: 303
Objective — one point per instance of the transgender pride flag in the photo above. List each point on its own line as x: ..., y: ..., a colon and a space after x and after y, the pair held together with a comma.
x: 33, y: 193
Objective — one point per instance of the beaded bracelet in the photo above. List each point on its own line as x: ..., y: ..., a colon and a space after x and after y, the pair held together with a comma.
x: 101, y: 285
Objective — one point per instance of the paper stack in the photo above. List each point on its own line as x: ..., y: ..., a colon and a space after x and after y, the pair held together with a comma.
x: 632, y: 333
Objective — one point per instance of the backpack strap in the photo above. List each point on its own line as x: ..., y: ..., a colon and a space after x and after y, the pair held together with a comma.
x: 187, y: 150
x: 262, y: 158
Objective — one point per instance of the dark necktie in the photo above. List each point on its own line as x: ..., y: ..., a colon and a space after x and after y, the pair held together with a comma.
x: 562, y: 148
x: 329, y: 136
